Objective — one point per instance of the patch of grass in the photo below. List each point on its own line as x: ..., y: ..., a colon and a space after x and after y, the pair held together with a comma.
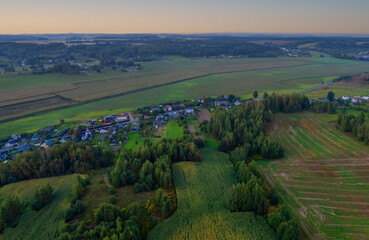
x: 45, y: 223
x: 174, y: 130
x: 202, y: 214
x: 134, y: 141
x: 211, y: 142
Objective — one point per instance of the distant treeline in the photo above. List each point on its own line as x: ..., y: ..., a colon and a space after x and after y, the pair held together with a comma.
x: 137, y: 49
x: 66, y: 158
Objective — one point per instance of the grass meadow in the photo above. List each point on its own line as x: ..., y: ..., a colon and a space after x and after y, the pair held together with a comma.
x: 42, y: 224
x: 324, y: 176
x: 202, y: 214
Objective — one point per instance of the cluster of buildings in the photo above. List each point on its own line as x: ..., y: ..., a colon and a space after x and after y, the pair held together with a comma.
x: 49, y: 136
x: 354, y: 100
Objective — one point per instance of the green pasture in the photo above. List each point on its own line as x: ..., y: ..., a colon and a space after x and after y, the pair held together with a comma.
x: 202, y: 214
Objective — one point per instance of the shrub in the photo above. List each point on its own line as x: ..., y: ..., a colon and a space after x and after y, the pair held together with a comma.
x: 42, y: 197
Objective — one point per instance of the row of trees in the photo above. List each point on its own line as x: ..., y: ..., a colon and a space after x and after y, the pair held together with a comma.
x: 358, y: 126
x: 281, y: 221
x: 325, y: 107
x: 149, y: 166
x: 242, y: 133
x: 66, y: 158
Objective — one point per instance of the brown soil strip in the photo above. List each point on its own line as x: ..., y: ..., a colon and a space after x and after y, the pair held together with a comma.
x: 191, y: 128
x: 204, y: 115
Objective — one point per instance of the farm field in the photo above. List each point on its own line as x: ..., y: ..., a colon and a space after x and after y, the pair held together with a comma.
x: 202, y: 214
x: 45, y: 223
x: 310, y: 73
x: 77, y: 88
x: 324, y: 176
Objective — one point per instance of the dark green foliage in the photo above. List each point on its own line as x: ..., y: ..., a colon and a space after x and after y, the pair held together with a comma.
x: 248, y: 196
x: 65, y: 158
x: 42, y: 197
x: 109, y: 222
x: 150, y: 166
x: 112, y: 190
x: 107, y: 213
x: 113, y: 199
x: 66, y: 68
x: 281, y: 221
x: 358, y: 126
x: 325, y: 107
x: 330, y: 96
x: 162, y: 200
x: 255, y: 94
x: 11, y: 208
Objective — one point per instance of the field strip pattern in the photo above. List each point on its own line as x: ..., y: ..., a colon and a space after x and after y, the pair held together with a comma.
x: 325, y: 175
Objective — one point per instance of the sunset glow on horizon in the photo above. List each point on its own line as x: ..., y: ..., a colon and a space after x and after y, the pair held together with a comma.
x: 171, y: 16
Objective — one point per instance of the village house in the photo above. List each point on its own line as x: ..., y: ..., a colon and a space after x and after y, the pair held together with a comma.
x: 345, y: 98
x: 47, y: 144
x: 237, y: 103
x: 135, y: 128
x: 159, y: 123
x: 122, y: 117
x: 190, y: 112
x: 168, y: 108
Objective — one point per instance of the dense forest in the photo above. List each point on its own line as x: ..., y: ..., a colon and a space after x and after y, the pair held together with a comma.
x: 149, y: 166
x: 66, y: 158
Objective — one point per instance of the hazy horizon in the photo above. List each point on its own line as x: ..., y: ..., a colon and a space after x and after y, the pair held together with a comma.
x: 189, y: 17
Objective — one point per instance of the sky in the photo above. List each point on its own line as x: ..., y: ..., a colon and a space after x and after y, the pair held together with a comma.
x: 183, y: 16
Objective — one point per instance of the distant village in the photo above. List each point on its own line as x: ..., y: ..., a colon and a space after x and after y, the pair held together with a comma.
x: 110, y: 129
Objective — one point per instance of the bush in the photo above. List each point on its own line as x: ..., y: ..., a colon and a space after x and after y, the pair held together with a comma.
x: 113, y: 199
x: 112, y: 190
x: 42, y: 197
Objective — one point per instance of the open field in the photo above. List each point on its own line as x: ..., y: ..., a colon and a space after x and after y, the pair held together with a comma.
x: 43, y: 224
x: 85, y: 88
x: 324, y: 176
x: 202, y: 214
x: 310, y: 73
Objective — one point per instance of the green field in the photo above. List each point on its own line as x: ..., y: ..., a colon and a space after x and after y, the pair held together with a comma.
x: 173, y: 130
x: 202, y: 214
x: 284, y: 75
x: 324, y: 176
x: 45, y: 223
